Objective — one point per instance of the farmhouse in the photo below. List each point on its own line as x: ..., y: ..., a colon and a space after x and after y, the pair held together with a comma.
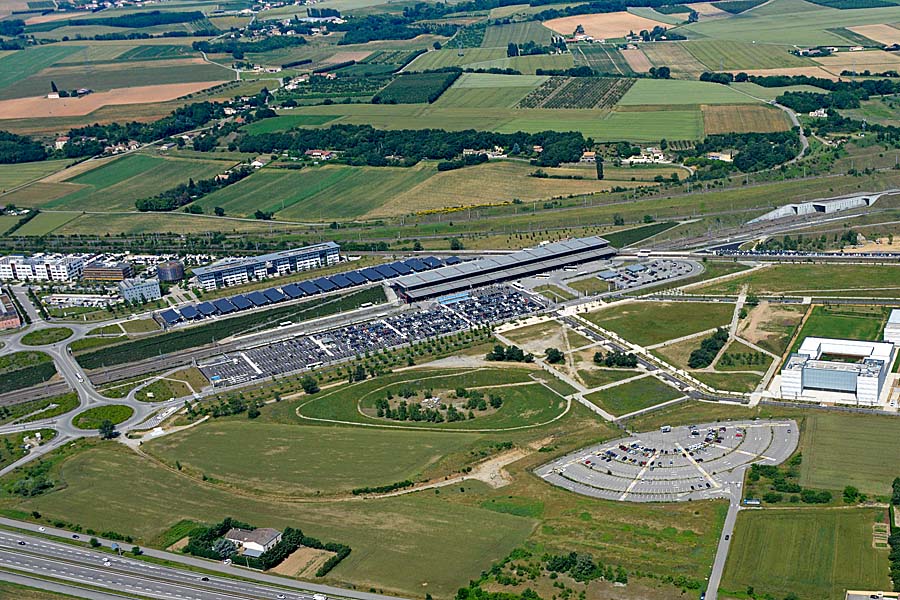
x: 61, y: 142
x: 840, y: 371
x: 589, y: 157
x: 320, y: 154
x: 254, y: 542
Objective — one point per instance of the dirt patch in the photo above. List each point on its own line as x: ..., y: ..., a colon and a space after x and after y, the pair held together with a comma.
x: 637, y: 60
x: 743, y: 119
x: 339, y: 57
x: 879, y: 245
x: 177, y: 546
x: 767, y: 322
x: 602, y: 26
x: 41, y: 107
x: 884, y: 34
x: 303, y: 562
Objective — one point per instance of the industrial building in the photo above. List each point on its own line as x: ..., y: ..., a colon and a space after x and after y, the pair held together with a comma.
x: 842, y: 371
x: 9, y: 317
x: 41, y: 267
x: 107, y: 271
x: 464, y: 276
x: 170, y: 271
x: 139, y: 290
x: 237, y: 271
x: 828, y: 206
x: 892, y: 329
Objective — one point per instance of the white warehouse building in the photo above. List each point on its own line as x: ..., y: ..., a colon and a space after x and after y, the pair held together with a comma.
x: 842, y: 371
x: 41, y: 267
x: 892, y: 329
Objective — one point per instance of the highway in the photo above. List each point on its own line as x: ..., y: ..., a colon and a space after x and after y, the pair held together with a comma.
x: 80, y: 566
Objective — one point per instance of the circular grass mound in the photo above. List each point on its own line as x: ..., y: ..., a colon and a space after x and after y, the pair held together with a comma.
x: 93, y: 417
x: 42, y: 337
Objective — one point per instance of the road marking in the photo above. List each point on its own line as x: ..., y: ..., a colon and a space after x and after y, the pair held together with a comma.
x: 709, y: 477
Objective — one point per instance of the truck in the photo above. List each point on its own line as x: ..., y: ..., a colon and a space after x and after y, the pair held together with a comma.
x: 320, y: 597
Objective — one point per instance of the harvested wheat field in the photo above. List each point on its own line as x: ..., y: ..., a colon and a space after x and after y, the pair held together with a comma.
x: 603, y: 26
x: 883, y: 34
x: 743, y: 119
x: 674, y: 56
x: 346, y: 56
x: 873, y: 60
x: 40, y: 106
x: 303, y: 562
x: 637, y: 60
x: 56, y: 16
x: 708, y: 10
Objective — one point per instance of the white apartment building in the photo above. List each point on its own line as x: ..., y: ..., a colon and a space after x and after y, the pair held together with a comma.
x: 41, y: 267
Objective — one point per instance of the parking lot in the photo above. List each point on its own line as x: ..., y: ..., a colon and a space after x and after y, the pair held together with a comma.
x: 674, y: 464
x: 638, y: 275
x: 308, y: 351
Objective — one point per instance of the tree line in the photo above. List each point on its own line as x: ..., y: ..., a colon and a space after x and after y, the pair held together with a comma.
x: 238, y: 49
x: 185, y: 193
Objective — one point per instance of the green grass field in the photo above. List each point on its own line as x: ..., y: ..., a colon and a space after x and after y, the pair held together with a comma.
x: 648, y: 323
x: 92, y: 418
x: 46, y: 222
x: 284, y: 122
x: 50, y: 335
x: 484, y: 90
x: 117, y: 184
x: 596, y: 377
x: 732, y: 382
x: 858, y: 450
x: 721, y: 55
x: 816, y: 280
x: 675, y: 92
x: 499, y: 36
x: 451, y: 57
x: 294, y: 464
x: 634, y: 395
x: 24, y: 63
x: 603, y: 58
x: 814, y: 553
x: 15, y: 175
x: 844, y: 322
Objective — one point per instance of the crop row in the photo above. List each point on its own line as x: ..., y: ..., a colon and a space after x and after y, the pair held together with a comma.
x: 589, y: 92
x: 540, y: 94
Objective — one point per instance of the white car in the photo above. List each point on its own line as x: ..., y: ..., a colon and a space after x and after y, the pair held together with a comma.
x: 42, y: 529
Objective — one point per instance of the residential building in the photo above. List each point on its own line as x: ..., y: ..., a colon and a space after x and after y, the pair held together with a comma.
x: 139, y: 290
x: 107, y: 271
x: 9, y: 316
x: 892, y: 329
x: 236, y: 271
x: 253, y: 542
x: 839, y: 371
x: 41, y: 267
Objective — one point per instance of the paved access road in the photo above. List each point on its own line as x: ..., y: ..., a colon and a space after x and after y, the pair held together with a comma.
x: 79, y: 566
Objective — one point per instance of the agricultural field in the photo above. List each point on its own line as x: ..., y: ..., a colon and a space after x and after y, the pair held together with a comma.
x: 815, y: 280
x: 881, y: 33
x: 604, y: 59
x: 720, y: 55
x: 649, y: 323
x: 632, y: 396
x: 484, y: 90
x: 872, y: 60
x: 415, y: 88
x: 499, y: 36
x: 284, y: 122
x: 451, y: 57
x: 814, y: 552
x: 743, y: 119
x: 676, y: 92
x: 833, y: 458
x: 117, y: 184
x: 15, y: 175
x: 682, y: 63
x: 25, y: 63
x: 603, y: 26
x: 796, y: 22
x: 46, y: 223
x: 578, y: 92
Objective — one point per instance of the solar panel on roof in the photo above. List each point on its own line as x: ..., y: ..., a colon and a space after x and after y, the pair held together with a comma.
x: 308, y: 288
x: 324, y: 285
x: 240, y: 302
x: 400, y: 267
x: 371, y: 274
x: 416, y: 265
x: 292, y: 290
x: 386, y: 271
x: 257, y: 298
x: 224, y: 306
x: 189, y: 312
x: 274, y: 295
x: 340, y: 280
x: 356, y: 277
x: 206, y: 309
x: 432, y: 262
x: 170, y: 316
x: 453, y: 260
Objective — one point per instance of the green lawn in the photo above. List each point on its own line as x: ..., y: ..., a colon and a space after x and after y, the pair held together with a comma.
x: 554, y: 293
x: 816, y: 281
x: 92, y: 418
x: 858, y: 450
x: 522, y: 405
x: 21, y: 360
x: 635, y: 395
x: 46, y: 336
x: 844, y: 322
x: 814, y: 553
x: 674, y: 91
x: 46, y: 222
x: 596, y: 377
x: 648, y: 323
x: 308, y: 460
x: 733, y: 382
x: 589, y: 285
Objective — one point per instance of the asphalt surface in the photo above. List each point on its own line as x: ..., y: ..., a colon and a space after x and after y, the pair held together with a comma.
x: 80, y: 566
